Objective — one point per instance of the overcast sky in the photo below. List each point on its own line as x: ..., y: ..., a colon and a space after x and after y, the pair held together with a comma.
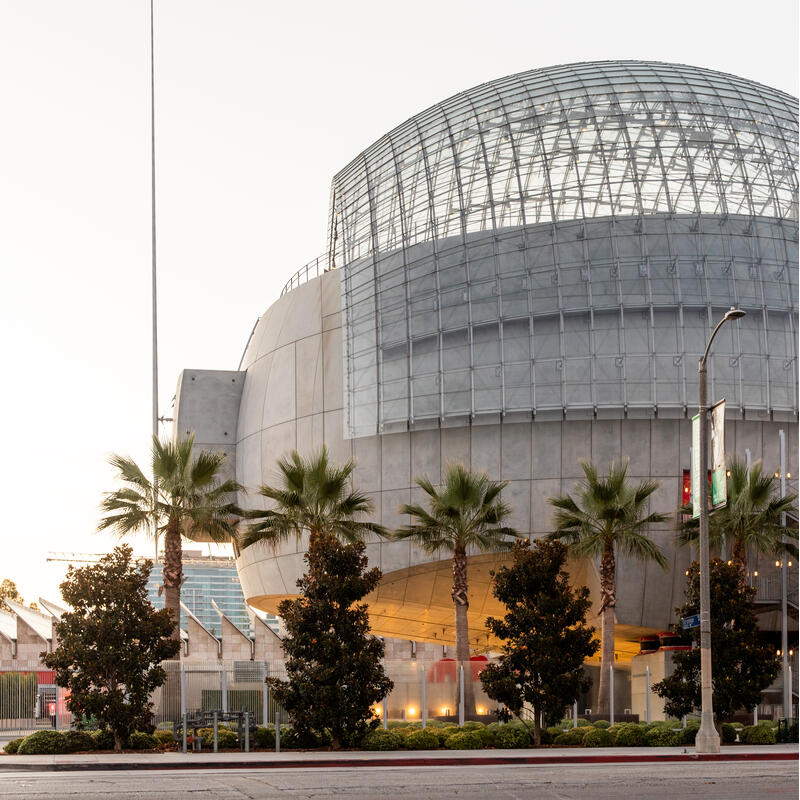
x: 258, y: 104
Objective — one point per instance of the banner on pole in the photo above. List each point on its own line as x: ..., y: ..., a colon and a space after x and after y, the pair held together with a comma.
x: 719, y: 482
x: 696, y: 492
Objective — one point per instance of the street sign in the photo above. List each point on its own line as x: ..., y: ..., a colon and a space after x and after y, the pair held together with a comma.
x: 690, y: 622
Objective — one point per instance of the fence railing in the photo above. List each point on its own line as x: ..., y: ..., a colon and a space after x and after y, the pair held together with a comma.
x: 313, y: 269
x: 769, y: 587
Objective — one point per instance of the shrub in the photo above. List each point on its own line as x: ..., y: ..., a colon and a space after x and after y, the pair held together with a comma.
x: 662, y: 737
x: 565, y: 724
x: 553, y: 731
x: 689, y: 733
x: 583, y: 723
x: 545, y: 737
x: 631, y: 736
x: 445, y: 733
x: 265, y: 737
x: 226, y: 739
x: 379, y: 739
x: 42, y: 742
x: 752, y: 734
x: 512, y: 738
x: 767, y: 723
x: 104, y: 739
x: 12, y: 746
x: 163, y: 737
x: 465, y: 740
x: 488, y: 736
x: 76, y: 741
x: 602, y: 724
x: 406, y: 731
x: 139, y: 740
x: 728, y: 734
x: 472, y: 725
x: 422, y: 740
x: 599, y: 737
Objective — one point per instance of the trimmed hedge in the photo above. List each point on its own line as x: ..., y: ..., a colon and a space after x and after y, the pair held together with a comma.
x: 265, y: 737
x: 42, y: 743
x: 465, y: 740
x: 445, y: 733
x: 421, y: 740
x: 757, y: 734
x: 12, y: 746
x: 689, y: 733
x: 601, y: 724
x: 77, y: 741
x: 573, y: 737
x: 631, y: 735
x: 662, y: 737
x: 512, y: 738
x: 598, y: 737
x: 104, y: 739
x: 472, y: 725
x: 379, y: 739
x: 728, y: 734
x: 164, y: 737
x: 139, y: 740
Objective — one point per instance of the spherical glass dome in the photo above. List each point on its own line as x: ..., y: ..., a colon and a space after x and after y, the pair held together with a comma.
x: 561, y: 241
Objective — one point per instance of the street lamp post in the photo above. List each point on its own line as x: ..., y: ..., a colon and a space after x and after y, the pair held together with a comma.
x: 707, y: 737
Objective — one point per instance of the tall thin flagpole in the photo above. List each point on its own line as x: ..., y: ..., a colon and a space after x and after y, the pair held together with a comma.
x: 154, y: 282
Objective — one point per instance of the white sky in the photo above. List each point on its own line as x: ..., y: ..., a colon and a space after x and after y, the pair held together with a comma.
x: 258, y: 104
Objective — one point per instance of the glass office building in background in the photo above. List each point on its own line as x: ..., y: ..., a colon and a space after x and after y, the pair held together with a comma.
x: 208, y: 578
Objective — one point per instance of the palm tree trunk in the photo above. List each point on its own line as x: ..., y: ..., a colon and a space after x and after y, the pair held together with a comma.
x: 461, y: 603
x: 173, y: 573
x: 739, y: 558
x: 608, y: 593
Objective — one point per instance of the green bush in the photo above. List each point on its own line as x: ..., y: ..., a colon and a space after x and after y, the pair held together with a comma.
x: 554, y: 731
x: 445, y: 733
x: 689, y: 733
x: 104, y: 739
x: 545, y: 737
x: 78, y: 741
x: 379, y: 739
x: 139, y: 740
x: 752, y: 734
x: 488, y: 736
x: 421, y: 740
x: 598, y: 737
x: 601, y: 724
x: 662, y: 737
x: 163, y: 737
x: 265, y: 737
x: 406, y: 731
x: 42, y: 742
x: 466, y: 740
x: 631, y: 736
x: 574, y: 736
x: 565, y: 724
x: 728, y: 735
x: 583, y: 723
x: 768, y: 723
x: 472, y: 725
x: 510, y: 738
x: 12, y: 746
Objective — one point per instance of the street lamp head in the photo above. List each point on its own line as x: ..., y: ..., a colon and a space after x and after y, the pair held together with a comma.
x: 734, y: 313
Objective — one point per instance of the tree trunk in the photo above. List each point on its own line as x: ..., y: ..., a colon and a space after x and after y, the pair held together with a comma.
x: 117, y: 743
x: 739, y: 558
x: 173, y: 573
x: 461, y: 603
x: 608, y: 593
x: 537, y: 725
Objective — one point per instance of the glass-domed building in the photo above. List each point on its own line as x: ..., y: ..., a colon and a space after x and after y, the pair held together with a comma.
x: 517, y: 278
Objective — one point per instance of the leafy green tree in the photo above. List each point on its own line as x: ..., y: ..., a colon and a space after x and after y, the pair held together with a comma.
x: 111, y: 644
x: 333, y: 664
x: 544, y: 634
x: 743, y: 664
x: 751, y: 519
x: 186, y: 497
x: 467, y: 511
x: 314, y: 497
x: 609, y: 516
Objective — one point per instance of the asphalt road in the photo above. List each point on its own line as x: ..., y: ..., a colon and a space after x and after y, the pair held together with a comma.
x: 710, y: 781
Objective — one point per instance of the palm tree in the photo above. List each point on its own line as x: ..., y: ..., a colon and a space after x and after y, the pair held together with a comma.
x: 315, y: 497
x: 609, y: 516
x: 465, y: 512
x: 752, y: 517
x: 186, y: 497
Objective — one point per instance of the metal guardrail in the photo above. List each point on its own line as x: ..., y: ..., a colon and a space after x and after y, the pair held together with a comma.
x: 768, y: 588
x: 313, y: 269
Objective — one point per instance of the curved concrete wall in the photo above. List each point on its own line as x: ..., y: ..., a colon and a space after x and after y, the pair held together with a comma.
x: 293, y: 399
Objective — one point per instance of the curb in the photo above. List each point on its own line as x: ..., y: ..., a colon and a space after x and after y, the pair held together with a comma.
x: 421, y: 761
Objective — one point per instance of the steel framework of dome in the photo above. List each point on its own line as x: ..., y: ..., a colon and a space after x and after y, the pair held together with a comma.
x: 557, y: 243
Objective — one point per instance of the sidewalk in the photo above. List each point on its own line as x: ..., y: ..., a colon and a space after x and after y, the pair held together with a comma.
x: 424, y: 758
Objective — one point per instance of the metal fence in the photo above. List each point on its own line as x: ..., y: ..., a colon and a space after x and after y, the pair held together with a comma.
x: 30, y: 701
